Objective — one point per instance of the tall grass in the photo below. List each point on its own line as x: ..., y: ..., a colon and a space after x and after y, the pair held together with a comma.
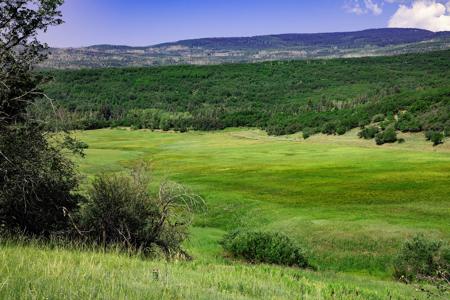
x: 37, y: 271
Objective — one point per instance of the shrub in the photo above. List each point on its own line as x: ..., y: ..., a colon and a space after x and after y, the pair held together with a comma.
x: 369, y: 132
x: 429, y: 134
x: 264, y: 247
x: 341, y: 130
x: 329, y: 128
x: 407, y: 122
x: 307, y: 132
x: 420, y: 259
x: 119, y: 210
x: 436, y: 137
x: 387, y: 136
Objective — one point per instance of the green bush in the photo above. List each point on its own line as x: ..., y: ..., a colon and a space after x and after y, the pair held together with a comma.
x: 369, y: 132
x: 408, y: 123
x: 307, y: 132
x: 436, y: 137
x: 422, y: 259
x: 387, y: 136
x: 329, y: 128
x: 341, y: 130
x: 264, y: 247
x: 120, y: 211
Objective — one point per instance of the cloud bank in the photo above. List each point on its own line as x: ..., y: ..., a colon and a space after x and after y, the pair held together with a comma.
x: 424, y: 14
x: 432, y: 15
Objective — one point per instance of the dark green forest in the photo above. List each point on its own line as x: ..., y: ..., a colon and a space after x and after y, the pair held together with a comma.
x: 408, y: 93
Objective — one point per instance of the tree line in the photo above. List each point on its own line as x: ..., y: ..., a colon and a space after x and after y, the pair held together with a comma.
x: 411, y: 91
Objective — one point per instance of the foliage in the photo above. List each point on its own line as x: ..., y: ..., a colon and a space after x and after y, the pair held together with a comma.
x: 119, y: 210
x: 369, y: 132
x: 389, y: 135
x: 436, y: 137
x: 408, y: 123
x: 307, y: 132
x: 20, y: 22
x: 265, y: 247
x: 37, y: 182
x: 281, y: 97
x: 422, y: 259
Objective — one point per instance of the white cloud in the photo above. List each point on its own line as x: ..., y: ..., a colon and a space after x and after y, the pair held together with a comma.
x: 373, y: 7
x: 426, y: 14
x: 361, y: 7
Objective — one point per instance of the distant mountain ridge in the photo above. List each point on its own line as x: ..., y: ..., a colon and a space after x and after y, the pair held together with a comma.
x: 374, y: 37
x: 371, y: 42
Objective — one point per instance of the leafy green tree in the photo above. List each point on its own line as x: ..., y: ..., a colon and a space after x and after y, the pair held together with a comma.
x: 36, y: 179
x: 20, y: 22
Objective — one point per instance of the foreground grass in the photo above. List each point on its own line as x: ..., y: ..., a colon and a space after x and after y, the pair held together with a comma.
x: 34, y: 271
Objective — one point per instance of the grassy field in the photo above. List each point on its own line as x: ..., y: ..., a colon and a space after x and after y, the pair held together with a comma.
x: 348, y: 202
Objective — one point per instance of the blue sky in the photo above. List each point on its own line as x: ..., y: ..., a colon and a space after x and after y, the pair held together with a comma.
x: 148, y: 22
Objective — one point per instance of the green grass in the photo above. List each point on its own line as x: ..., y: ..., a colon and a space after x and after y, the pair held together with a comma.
x: 34, y: 271
x: 349, y: 203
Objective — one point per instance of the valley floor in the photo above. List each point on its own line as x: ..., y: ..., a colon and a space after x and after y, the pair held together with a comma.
x: 348, y: 202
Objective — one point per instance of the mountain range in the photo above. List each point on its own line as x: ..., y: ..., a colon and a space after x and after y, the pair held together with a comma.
x: 371, y: 42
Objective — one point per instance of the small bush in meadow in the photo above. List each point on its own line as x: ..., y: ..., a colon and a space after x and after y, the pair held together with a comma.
x: 387, y: 136
x: 307, y: 132
x: 120, y: 211
x: 341, y: 130
x: 436, y: 137
x: 422, y: 259
x: 264, y: 247
x: 369, y: 132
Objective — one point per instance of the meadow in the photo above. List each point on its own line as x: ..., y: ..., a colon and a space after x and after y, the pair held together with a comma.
x: 348, y: 202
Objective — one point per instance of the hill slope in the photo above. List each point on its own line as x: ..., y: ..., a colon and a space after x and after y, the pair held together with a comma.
x: 389, y: 41
x: 411, y: 91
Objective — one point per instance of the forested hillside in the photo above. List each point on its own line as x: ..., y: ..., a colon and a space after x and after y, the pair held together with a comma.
x: 409, y: 93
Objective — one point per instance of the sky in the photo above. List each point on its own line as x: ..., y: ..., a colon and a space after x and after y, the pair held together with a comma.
x: 149, y: 22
